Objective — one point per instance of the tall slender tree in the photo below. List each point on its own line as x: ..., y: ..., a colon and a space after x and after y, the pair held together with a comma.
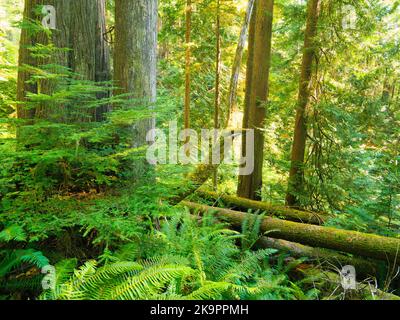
x: 296, y: 177
x: 217, y: 80
x: 260, y: 45
x: 187, y: 63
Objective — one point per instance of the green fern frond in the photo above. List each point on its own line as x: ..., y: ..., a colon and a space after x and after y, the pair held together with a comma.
x: 12, y: 233
x: 33, y: 257
x: 149, y: 282
x: 210, y: 291
x: 16, y: 258
x: 251, y: 227
x: 96, y: 285
x: 248, y: 266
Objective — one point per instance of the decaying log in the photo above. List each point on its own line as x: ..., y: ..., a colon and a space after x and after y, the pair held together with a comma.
x: 283, y: 212
x: 361, y: 244
x: 365, y: 268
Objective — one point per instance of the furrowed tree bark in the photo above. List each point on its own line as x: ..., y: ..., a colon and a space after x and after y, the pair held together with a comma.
x: 296, y: 176
x: 79, y: 30
x: 361, y: 244
x: 25, y: 58
x: 59, y: 37
x: 285, y: 213
x: 80, y: 26
x: 135, y: 66
x: 250, y: 185
x: 90, y: 55
x: 232, y: 100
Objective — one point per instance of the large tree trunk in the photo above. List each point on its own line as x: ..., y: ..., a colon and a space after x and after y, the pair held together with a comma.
x: 260, y: 55
x: 232, y: 100
x: 29, y: 38
x: 135, y: 55
x: 249, y: 78
x: 135, y: 67
x: 282, y: 212
x: 80, y: 26
x: 361, y: 244
x: 102, y: 54
x: 296, y: 177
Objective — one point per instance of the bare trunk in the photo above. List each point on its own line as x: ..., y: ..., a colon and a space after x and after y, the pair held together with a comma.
x: 135, y: 68
x: 135, y: 65
x: 296, y: 176
x: 250, y: 185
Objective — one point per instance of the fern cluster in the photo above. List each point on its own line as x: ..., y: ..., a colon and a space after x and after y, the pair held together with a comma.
x: 20, y: 269
x: 189, y: 262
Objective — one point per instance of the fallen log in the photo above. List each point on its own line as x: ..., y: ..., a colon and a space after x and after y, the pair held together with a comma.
x: 361, y: 244
x: 284, y: 212
x: 365, y: 268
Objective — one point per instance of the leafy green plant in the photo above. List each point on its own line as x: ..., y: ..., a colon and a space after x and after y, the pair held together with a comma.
x: 190, y: 270
x: 20, y: 269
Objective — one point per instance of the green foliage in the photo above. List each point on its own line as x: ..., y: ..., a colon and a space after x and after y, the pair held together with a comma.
x: 188, y: 271
x: 69, y: 187
x: 351, y: 166
x: 19, y: 268
x: 9, y: 13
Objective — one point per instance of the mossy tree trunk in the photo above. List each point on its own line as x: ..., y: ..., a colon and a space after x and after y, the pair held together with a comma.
x: 263, y: 207
x: 320, y: 256
x: 257, y: 93
x: 361, y: 244
x: 296, y: 176
x: 217, y: 81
